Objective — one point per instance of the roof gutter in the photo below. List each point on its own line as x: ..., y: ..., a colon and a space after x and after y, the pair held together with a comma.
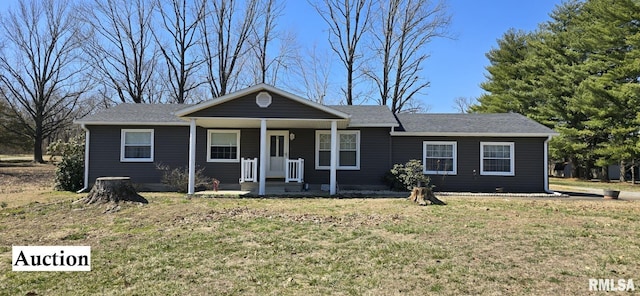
x: 472, y: 134
x: 86, y: 158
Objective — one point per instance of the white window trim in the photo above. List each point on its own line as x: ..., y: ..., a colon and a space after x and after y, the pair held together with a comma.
x: 122, y: 138
x: 512, y: 153
x: 212, y: 131
x: 339, y: 167
x: 454, y: 170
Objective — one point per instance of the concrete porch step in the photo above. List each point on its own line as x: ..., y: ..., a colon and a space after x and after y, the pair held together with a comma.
x: 272, y: 187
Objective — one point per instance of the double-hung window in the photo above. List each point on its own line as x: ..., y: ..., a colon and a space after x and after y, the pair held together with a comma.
x: 348, y: 150
x: 136, y: 145
x: 497, y: 158
x: 440, y: 158
x: 223, y: 146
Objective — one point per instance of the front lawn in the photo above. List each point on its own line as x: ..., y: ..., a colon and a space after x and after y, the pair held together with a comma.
x: 178, y: 246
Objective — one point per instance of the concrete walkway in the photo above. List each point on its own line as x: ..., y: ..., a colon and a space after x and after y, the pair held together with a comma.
x: 568, y: 192
x: 585, y: 193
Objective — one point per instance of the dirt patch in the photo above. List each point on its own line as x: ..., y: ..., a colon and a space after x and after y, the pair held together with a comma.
x: 25, y: 182
x: 245, y: 213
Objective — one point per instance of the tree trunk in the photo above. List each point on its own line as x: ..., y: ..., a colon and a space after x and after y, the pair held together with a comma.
x: 424, y: 196
x: 623, y: 171
x: 37, y: 144
x: 113, y: 189
x: 574, y: 168
x: 633, y: 172
x: 604, y: 174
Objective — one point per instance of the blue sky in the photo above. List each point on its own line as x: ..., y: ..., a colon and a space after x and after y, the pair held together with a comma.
x: 456, y: 66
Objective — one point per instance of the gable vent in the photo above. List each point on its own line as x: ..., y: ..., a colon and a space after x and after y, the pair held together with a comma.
x: 263, y: 99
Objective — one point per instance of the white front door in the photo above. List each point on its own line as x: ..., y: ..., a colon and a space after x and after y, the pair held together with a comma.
x: 278, y: 151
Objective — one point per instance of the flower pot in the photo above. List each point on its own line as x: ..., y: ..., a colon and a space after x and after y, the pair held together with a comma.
x: 611, y: 194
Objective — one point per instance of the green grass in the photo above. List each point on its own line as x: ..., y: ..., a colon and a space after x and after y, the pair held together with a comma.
x: 595, y: 184
x: 178, y: 246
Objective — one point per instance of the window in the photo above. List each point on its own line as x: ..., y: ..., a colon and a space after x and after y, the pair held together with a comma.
x: 440, y: 158
x: 223, y: 146
x: 136, y: 145
x: 497, y: 158
x: 348, y: 150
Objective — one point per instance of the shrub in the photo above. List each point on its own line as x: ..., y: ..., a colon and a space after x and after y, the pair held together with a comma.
x: 178, y: 178
x: 70, y: 170
x: 406, y: 176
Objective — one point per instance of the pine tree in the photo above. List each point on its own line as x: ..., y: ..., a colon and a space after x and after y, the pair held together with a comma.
x: 610, y: 96
x: 505, y: 76
x: 556, y: 83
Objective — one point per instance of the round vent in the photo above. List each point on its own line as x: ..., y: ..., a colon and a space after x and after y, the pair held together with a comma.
x: 263, y: 99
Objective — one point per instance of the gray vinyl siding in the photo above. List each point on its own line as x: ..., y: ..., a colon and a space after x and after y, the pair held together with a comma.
x: 378, y: 153
x: 171, y: 147
x: 529, y: 166
x: 227, y: 172
x: 246, y: 107
x: 374, y: 157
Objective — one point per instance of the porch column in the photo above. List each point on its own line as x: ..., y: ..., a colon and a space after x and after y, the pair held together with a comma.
x: 263, y: 157
x: 334, y: 157
x: 192, y: 156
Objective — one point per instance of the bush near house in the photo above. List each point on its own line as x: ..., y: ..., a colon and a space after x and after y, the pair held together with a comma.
x: 406, y: 176
x: 69, y: 174
x: 178, y: 178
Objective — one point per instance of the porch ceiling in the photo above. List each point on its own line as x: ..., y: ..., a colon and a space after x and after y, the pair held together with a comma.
x: 272, y: 123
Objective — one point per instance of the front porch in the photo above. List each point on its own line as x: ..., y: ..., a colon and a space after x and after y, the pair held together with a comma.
x: 273, y: 113
x: 273, y: 159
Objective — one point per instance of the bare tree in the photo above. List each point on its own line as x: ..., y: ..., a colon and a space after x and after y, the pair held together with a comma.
x: 462, y: 104
x: 41, y: 74
x: 264, y: 32
x: 122, y: 49
x: 403, y: 30
x: 348, y: 22
x: 311, y: 75
x: 415, y: 106
x: 226, y: 30
x: 181, y: 22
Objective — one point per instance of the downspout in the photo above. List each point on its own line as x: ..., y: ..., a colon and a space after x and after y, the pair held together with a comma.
x: 390, y: 164
x: 546, y: 166
x: 86, y: 158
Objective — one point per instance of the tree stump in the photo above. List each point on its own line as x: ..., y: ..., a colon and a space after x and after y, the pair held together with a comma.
x: 113, y: 189
x: 424, y: 196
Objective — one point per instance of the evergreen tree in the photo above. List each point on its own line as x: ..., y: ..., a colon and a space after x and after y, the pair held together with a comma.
x: 505, y: 76
x: 610, y: 96
x: 579, y: 74
x: 556, y: 83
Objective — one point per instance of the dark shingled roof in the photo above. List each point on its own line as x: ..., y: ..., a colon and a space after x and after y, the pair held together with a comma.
x: 373, y: 115
x: 501, y: 123
x: 494, y: 124
x: 164, y: 113
x: 137, y: 113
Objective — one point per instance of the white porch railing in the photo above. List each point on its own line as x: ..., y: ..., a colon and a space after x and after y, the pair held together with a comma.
x: 294, y: 170
x: 248, y: 170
